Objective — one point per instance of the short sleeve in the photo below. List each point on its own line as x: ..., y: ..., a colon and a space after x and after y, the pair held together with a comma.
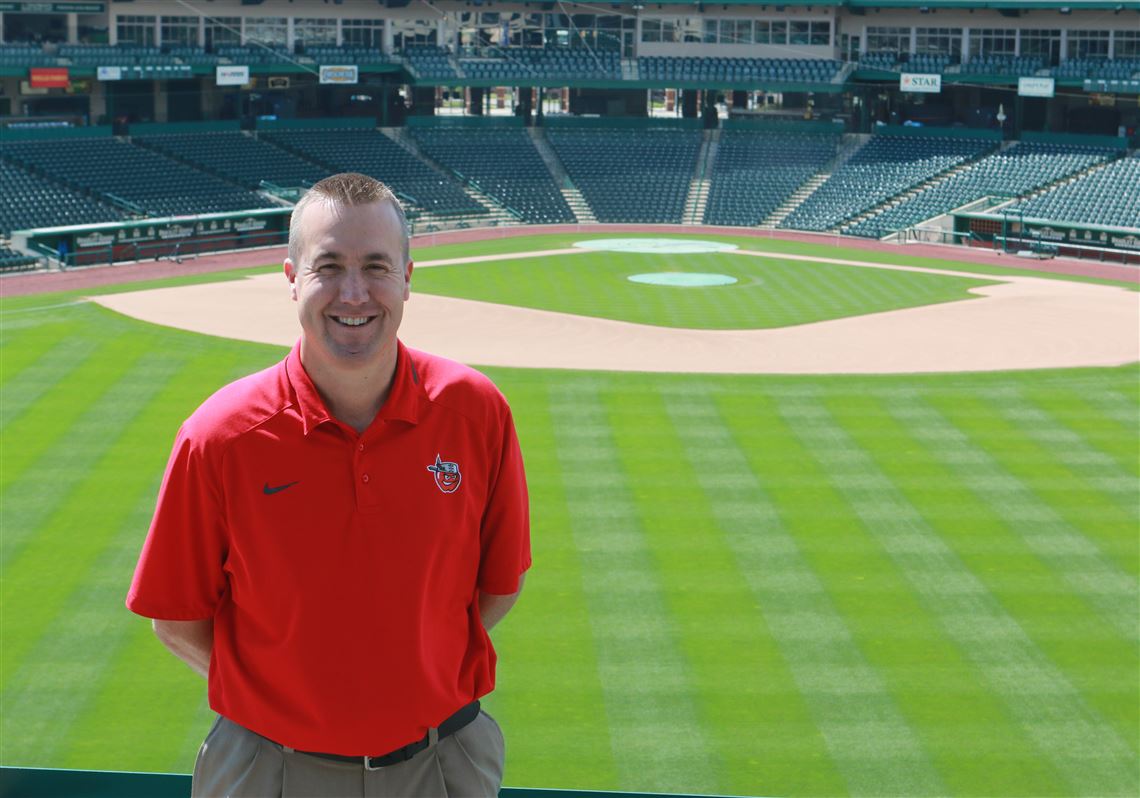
x: 180, y: 574
x: 505, y: 534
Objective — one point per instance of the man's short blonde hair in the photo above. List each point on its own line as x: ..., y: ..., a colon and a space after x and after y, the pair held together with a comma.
x: 347, y: 188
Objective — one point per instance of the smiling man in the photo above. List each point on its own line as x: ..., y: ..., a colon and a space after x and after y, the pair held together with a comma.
x: 336, y: 535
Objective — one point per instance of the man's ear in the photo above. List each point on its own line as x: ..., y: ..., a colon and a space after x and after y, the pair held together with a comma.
x: 408, y: 280
x: 291, y: 276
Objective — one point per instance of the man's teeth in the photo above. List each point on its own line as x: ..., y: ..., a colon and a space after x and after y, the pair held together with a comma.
x: 353, y: 321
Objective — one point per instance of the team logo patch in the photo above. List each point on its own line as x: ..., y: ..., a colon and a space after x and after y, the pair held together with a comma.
x: 447, y: 476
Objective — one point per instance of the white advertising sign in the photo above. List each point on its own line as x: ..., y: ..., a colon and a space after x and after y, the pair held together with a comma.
x: 231, y: 75
x: 109, y: 73
x: 339, y: 74
x: 1035, y: 87
x: 927, y: 84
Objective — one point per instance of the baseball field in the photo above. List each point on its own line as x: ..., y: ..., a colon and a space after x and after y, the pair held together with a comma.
x: 855, y: 580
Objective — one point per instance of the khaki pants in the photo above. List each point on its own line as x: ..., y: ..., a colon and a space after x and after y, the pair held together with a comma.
x: 236, y: 763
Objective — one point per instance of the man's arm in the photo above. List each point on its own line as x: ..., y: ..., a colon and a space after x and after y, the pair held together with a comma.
x: 492, y: 607
x: 190, y: 641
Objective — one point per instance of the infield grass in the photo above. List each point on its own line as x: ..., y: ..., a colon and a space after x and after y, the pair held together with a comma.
x: 765, y: 585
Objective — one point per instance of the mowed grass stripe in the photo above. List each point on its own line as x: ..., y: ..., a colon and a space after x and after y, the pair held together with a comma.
x: 547, y: 639
x: 963, y: 727
x: 1075, y: 413
x: 868, y: 740
x: 60, y: 351
x: 21, y: 350
x: 750, y: 708
x: 74, y: 646
x: 1073, y: 737
x: 658, y: 741
x: 1048, y: 501
x: 78, y: 505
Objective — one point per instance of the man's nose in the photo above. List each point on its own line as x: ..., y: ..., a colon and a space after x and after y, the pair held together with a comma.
x: 354, y: 287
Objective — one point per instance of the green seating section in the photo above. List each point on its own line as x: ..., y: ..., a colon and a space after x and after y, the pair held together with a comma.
x: 1108, y: 196
x: 120, y: 55
x: 156, y: 184
x: 505, y: 165
x: 1014, y: 66
x: 346, y: 55
x: 13, y: 261
x: 430, y: 62
x: 24, y: 55
x: 194, y: 56
x: 252, y: 55
x: 1019, y: 170
x: 528, y: 62
x: 420, y: 187
x: 237, y: 157
x: 884, y: 167
x: 630, y: 175
x: 34, y: 201
x: 882, y: 59
x: 755, y: 172
x: 689, y: 68
x: 1103, y: 68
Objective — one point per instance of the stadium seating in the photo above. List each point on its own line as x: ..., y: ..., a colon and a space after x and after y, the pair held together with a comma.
x: 755, y: 172
x: 799, y: 70
x: 347, y: 54
x: 24, y: 55
x: 630, y: 175
x: 253, y: 55
x: 1102, y: 68
x: 884, y: 167
x: 1013, y: 66
x: 112, y: 168
x: 1108, y: 196
x: 11, y: 261
x: 504, y: 163
x: 237, y: 157
x: 43, y: 203
x: 373, y: 153
x: 527, y: 62
x: 430, y: 62
x: 883, y: 59
x: 120, y: 55
x: 1019, y: 170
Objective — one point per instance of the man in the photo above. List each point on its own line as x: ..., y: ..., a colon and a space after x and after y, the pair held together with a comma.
x: 335, y: 535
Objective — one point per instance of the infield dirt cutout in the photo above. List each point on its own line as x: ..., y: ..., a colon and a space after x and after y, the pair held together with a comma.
x: 1019, y: 323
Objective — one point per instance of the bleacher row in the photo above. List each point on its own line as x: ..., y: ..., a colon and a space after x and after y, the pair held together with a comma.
x: 1006, y: 65
x: 635, y: 176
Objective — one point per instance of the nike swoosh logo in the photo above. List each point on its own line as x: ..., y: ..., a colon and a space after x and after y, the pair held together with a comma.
x: 268, y: 491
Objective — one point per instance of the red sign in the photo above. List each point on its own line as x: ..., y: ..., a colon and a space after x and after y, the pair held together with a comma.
x: 48, y: 77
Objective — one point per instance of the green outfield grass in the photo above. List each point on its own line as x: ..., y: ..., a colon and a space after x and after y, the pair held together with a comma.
x: 757, y: 585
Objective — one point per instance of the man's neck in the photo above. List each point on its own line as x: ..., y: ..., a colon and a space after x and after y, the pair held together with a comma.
x: 353, y: 396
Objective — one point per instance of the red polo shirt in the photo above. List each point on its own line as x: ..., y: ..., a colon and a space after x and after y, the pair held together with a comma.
x: 341, y: 570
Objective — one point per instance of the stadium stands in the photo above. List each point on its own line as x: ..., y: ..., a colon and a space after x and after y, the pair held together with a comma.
x: 1019, y: 170
x: 346, y: 54
x: 630, y: 175
x: 744, y: 70
x: 120, y: 55
x: 11, y: 260
x: 373, y: 153
x: 504, y: 164
x: 115, y: 169
x: 756, y: 171
x: 1106, y: 196
x: 237, y: 157
x: 1014, y: 66
x: 42, y: 203
x: 24, y: 55
x: 1103, y: 68
x: 258, y: 55
x: 430, y: 62
x: 884, y: 167
x: 526, y: 62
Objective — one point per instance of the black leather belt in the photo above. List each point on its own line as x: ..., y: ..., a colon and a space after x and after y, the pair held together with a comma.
x: 449, y: 727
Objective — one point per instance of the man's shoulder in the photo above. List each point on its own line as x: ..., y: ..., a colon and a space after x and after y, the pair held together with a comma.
x: 454, y: 385
x: 240, y: 406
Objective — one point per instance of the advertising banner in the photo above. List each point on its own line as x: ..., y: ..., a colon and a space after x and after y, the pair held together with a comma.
x: 1035, y: 87
x: 231, y: 75
x: 926, y: 84
x: 109, y: 73
x: 339, y: 74
x: 48, y: 77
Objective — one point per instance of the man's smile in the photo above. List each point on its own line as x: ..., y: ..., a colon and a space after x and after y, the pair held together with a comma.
x: 352, y: 321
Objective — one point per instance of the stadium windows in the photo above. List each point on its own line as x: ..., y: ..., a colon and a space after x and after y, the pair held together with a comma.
x: 311, y: 32
x: 410, y: 32
x: 763, y: 31
x: 711, y: 26
x: 1043, y: 44
x: 180, y: 31
x: 135, y: 30
x: 367, y: 33
x: 1088, y: 43
x: 223, y: 32
x: 1126, y: 44
x: 992, y: 42
x: 271, y: 31
x: 779, y: 34
x: 651, y: 30
x: 821, y: 33
x: 799, y: 32
x: 938, y: 41
x: 890, y: 40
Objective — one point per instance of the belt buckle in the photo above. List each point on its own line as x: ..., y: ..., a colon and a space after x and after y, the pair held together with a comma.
x: 368, y: 766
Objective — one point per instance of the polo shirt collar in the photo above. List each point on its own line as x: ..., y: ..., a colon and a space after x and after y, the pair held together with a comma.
x: 402, y: 404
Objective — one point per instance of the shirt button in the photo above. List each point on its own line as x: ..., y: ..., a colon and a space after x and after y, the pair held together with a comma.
x: 360, y: 448
x: 364, y: 478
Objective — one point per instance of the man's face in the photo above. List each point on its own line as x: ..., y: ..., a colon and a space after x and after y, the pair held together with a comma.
x: 350, y: 284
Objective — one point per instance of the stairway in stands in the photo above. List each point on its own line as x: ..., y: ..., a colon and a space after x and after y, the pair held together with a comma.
x: 698, y: 197
x: 566, y: 186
